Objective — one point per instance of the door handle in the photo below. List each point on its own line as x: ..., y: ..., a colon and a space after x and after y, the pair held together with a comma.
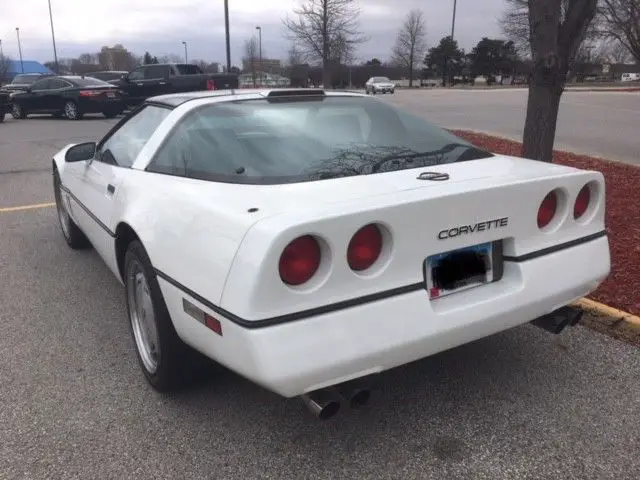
x: 111, y: 188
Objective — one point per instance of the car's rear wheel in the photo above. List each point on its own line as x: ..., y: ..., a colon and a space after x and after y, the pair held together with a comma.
x: 18, y: 112
x: 71, y: 111
x: 74, y: 237
x: 161, y: 353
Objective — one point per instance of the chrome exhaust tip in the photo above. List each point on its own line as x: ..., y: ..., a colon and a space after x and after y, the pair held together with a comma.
x: 321, y: 403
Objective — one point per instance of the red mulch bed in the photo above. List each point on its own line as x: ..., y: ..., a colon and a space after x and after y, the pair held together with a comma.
x: 622, y: 288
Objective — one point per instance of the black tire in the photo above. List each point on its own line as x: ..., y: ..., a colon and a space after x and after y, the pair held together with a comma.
x: 110, y: 114
x: 72, y: 234
x: 173, y: 358
x: 2, y: 116
x: 18, y: 112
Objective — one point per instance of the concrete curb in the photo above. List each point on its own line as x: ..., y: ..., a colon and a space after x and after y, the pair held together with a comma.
x: 601, y: 309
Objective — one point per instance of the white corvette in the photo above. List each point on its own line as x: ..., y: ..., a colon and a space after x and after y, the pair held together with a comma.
x: 310, y: 240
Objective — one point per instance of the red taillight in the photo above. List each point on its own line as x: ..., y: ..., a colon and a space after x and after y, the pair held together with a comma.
x: 299, y: 260
x: 90, y: 93
x: 582, y: 202
x: 547, y: 209
x: 364, y: 248
x: 210, y: 85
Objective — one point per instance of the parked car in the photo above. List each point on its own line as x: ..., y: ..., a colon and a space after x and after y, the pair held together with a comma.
x: 630, y: 77
x: 379, y: 85
x: 24, y: 80
x: 163, y: 78
x: 309, y: 240
x: 69, y: 96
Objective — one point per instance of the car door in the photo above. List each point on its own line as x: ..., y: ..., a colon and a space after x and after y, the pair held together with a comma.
x: 34, y: 100
x: 95, y: 183
x: 53, y: 100
x: 156, y: 78
x: 134, y: 85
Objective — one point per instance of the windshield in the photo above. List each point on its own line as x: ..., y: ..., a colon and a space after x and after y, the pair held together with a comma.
x: 381, y: 80
x: 258, y: 141
x: 26, y: 78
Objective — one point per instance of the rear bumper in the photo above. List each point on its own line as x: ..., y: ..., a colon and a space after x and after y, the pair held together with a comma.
x: 88, y: 105
x: 323, y: 350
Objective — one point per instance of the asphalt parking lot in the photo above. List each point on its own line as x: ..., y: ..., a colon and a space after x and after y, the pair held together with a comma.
x: 593, y: 123
x: 73, y: 404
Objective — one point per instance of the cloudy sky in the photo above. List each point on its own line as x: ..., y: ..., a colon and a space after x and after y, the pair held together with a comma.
x: 160, y: 26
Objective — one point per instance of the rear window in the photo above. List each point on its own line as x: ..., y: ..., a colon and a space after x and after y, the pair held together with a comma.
x: 88, y: 82
x: 26, y: 78
x: 188, y: 69
x: 266, y: 142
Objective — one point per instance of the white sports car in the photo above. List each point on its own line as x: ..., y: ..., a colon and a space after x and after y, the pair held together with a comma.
x: 308, y: 240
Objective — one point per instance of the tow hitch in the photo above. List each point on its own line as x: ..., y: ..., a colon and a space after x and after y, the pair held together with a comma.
x: 557, y: 320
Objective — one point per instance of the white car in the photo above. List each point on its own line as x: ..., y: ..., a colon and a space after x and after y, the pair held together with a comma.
x: 309, y: 241
x: 379, y: 85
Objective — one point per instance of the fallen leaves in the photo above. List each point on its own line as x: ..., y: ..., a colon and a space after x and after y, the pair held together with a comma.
x: 622, y: 288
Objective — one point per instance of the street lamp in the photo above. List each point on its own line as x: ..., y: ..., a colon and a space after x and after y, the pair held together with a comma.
x: 53, y: 37
x: 185, y: 52
x: 20, y: 49
x: 260, y: 49
x: 226, y: 30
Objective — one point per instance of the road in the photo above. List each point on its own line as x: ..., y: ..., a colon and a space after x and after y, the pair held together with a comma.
x: 73, y: 404
x: 604, y: 124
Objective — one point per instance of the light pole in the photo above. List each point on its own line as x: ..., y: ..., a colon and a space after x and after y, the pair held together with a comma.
x: 20, y: 49
x: 185, y: 52
x: 53, y: 37
x: 260, y: 49
x: 226, y: 29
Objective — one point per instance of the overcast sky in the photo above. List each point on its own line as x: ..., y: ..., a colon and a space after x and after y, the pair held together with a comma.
x: 160, y: 26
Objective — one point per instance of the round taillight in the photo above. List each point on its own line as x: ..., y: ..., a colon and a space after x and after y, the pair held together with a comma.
x: 582, y: 202
x: 364, y: 248
x: 299, y: 260
x: 547, y: 209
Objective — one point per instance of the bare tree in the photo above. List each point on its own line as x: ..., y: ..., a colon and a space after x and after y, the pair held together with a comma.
x: 411, y: 42
x: 323, y: 26
x: 4, y: 67
x: 620, y: 20
x: 294, y: 56
x: 250, y: 56
x: 556, y: 36
x: 515, y: 25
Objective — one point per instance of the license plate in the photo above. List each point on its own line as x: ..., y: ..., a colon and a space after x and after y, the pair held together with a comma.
x: 111, y: 95
x: 458, y: 270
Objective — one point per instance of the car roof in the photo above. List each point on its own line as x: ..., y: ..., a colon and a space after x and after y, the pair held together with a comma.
x: 176, y: 99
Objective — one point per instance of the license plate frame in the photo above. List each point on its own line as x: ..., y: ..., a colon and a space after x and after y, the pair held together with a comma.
x: 491, y: 254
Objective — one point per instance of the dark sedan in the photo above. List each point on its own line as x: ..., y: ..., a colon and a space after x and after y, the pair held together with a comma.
x: 68, y: 96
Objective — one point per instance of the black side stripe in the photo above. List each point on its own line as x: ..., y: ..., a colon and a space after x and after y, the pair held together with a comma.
x: 555, y: 248
x: 95, y: 219
x: 291, y: 317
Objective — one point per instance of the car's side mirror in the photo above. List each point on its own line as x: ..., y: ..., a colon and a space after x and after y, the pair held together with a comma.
x: 81, y: 152
x: 29, y: 89
x: 125, y: 77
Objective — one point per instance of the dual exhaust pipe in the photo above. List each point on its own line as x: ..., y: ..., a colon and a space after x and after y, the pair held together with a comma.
x: 326, y: 402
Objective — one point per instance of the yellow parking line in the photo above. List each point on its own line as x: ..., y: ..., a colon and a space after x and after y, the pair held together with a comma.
x: 607, y: 311
x: 26, y: 207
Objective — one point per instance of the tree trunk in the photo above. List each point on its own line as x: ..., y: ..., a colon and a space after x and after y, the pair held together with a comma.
x: 540, y: 125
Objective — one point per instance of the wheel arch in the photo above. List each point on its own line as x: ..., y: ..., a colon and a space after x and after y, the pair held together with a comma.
x: 125, y: 234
